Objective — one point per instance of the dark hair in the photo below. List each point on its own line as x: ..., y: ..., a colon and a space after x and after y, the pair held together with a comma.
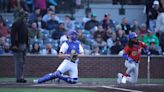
x: 130, y: 43
x: 33, y: 50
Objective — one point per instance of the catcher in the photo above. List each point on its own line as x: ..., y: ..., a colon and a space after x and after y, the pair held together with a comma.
x: 70, y: 50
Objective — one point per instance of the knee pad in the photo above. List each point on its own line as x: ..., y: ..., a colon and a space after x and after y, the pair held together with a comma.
x: 57, y: 73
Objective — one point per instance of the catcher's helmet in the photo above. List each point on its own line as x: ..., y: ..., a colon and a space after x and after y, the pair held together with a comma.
x: 132, y: 35
x: 72, y: 33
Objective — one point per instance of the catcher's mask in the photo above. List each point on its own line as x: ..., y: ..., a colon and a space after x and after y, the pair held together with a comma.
x: 72, y: 35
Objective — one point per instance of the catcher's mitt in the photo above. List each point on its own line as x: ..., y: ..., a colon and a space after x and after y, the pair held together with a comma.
x: 73, y: 55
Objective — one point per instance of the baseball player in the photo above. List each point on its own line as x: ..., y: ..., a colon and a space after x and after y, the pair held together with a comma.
x: 132, y: 56
x: 70, y: 50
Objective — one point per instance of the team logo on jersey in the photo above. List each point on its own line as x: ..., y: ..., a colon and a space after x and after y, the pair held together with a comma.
x: 73, y: 51
x: 134, y: 53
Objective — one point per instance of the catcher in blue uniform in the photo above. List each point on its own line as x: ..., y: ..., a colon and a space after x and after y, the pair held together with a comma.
x: 70, y: 50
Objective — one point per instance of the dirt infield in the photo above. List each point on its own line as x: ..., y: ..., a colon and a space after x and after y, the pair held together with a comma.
x: 94, y: 86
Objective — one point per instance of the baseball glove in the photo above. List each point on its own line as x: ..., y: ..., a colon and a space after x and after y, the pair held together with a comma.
x: 73, y: 56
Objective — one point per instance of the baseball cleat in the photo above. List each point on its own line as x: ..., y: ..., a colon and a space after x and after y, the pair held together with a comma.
x: 119, y: 78
x: 124, y: 79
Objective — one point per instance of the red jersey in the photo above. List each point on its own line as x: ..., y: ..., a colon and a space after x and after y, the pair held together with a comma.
x: 135, y: 51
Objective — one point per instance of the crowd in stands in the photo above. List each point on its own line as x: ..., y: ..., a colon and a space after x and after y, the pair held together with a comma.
x: 47, y: 31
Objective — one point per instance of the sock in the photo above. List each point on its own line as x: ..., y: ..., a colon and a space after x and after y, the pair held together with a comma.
x: 126, y: 75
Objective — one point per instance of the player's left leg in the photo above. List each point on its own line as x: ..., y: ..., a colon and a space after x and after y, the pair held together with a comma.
x: 134, y: 74
x: 130, y: 68
x: 48, y: 77
x: 61, y: 69
x: 73, y: 72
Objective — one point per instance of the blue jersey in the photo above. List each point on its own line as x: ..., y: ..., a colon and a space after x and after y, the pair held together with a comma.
x: 74, y: 45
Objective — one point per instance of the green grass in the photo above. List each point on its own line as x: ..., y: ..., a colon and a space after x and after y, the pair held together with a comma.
x: 42, y: 90
x: 160, y: 81
x: 101, y: 80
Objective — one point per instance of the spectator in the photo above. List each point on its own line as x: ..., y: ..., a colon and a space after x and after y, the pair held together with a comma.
x: 17, y: 12
x: 34, y: 32
x: 149, y: 4
x: 160, y: 28
x: 41, y: 24
x: 78, y: 3
x: 149, y: 37
x: 52, y: 24
x: 99, y: 32
x: 23, y: 4
x: 91, y: 23
x: 47, y: 16
x: 4, y: 31
x: 154, y: 49
x: 54, y: 11
x: 122, y: 37
x: 111, y: 40
x: 125, y: 26
x: 49, y: 50
x: 34, y: 15
x: 117, y: 47
x: 59, y: 32
x: 41, y: 5
x: 100, y: 43
x: 68, y: 23
x: 107, y: 22
x: 96, y: 51
x: 87, y: 18
x: 152, y: 15
x: 108, y: 34
x: 13, y: 5
x: 35, y: 48
x: 81, y: 37
x: 143, y: 31
x: 30, y: 5
x: 135, y: 27
x: 6, y: 49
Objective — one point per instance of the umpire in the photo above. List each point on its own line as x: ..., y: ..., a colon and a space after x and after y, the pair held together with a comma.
x: 19, y: 41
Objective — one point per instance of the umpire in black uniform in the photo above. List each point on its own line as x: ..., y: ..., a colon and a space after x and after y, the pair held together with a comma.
x: 19, y: 41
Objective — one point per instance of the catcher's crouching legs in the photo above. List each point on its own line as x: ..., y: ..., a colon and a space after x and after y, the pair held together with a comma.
x: 48, y: 77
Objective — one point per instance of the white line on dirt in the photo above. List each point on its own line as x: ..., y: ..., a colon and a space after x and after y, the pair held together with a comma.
x: 121, y: 89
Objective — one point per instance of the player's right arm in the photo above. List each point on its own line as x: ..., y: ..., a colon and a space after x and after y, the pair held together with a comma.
x: 62, y: 51
x: 81, y: 50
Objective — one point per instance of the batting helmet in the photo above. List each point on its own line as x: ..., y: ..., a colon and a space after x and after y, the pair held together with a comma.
x: 132, y: 35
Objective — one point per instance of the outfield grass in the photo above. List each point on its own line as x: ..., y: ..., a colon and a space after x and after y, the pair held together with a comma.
x: 42, y: 90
